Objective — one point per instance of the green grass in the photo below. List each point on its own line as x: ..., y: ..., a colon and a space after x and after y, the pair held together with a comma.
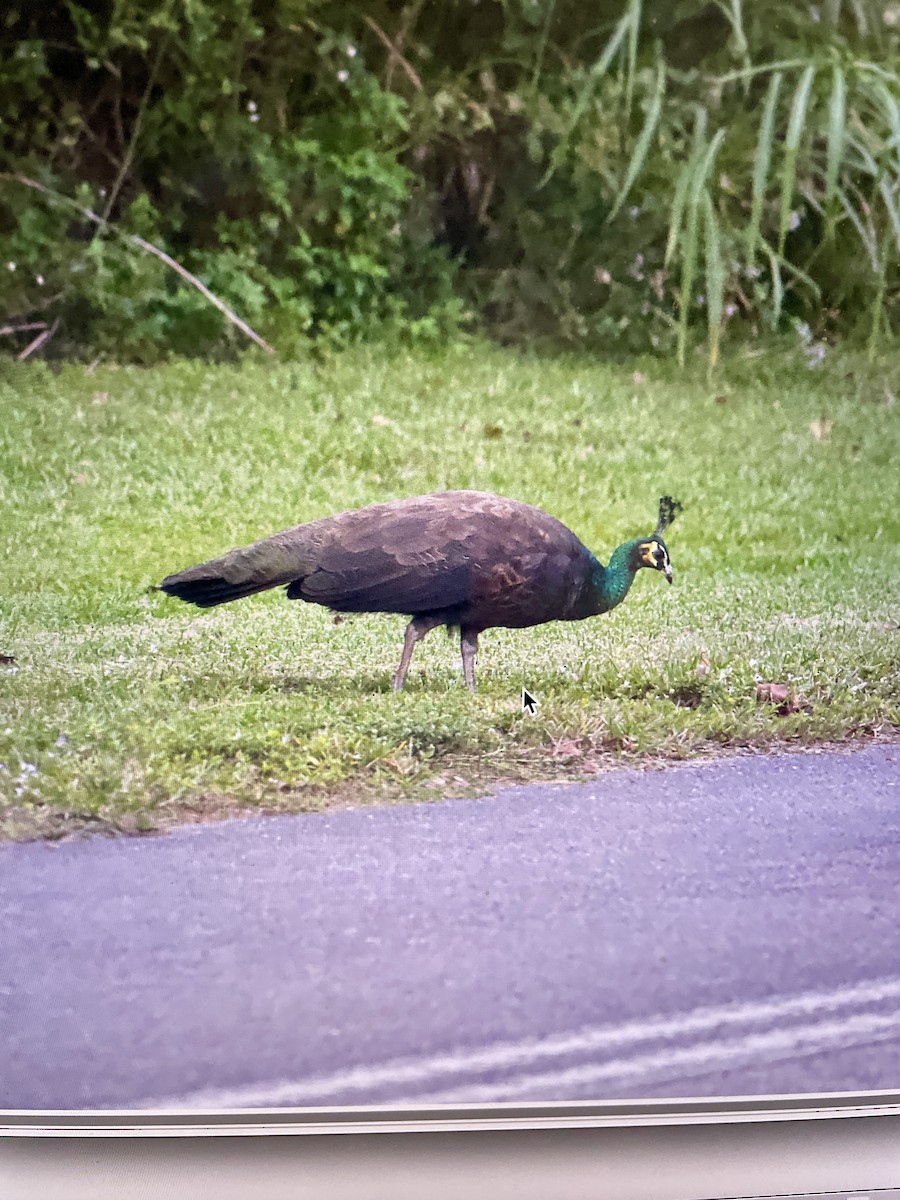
x: 125, y: 709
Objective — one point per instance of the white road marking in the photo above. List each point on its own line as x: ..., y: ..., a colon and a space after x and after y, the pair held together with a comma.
x: 753, y: 1050
x: 707, y: 1038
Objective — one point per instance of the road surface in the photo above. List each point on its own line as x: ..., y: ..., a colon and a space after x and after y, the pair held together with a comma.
x: 725, y: 928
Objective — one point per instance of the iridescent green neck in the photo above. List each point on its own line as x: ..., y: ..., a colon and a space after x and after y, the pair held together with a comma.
x: 611, y: 583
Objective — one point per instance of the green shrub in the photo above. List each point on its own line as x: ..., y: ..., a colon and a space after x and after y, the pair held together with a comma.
x: 263, y: 156
x: 610, y: 176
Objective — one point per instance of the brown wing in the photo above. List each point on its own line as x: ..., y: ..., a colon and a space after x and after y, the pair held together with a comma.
x: 481, y: 559
x: 407, y: 556
x: 490, y: 560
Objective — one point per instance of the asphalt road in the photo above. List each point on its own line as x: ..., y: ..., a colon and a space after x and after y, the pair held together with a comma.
x: 726, y: 928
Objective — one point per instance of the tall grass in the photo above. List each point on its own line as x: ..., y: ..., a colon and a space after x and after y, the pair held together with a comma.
x: 809, y: 140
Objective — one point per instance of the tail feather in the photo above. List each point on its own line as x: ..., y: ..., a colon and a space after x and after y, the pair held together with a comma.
x: 207, y: 593
x: 268, y: 563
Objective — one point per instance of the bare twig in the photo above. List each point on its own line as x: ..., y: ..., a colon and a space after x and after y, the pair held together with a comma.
x: 40, y: 340
x: 143, y: 244
x: 201, y: 287
x: 28, y: 327
x: 128, y: 156
x: 408, y: 19
x: 395, y: 56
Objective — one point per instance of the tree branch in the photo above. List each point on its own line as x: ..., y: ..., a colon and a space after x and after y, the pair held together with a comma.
x: 143, y: 244
x: 128, y: 156
x: 28, y: 327
x: 394, y: 53
x: 40, y: 340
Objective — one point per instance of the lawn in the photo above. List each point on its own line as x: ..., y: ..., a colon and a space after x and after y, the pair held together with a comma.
x: 125, y: 710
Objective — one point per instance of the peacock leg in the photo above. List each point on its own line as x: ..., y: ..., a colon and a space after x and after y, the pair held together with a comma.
x: 415, y: 631
x: 469, y: 646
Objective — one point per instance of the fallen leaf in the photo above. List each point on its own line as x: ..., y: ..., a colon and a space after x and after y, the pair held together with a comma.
x: 493, y: 431
x: 567, y: 748
x: 100, y: 398
x: 821, y: 429
x: 378, y: 419
x: 780, y: 695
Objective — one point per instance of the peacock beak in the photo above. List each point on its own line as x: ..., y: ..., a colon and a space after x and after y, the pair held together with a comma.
x: 667, y: 571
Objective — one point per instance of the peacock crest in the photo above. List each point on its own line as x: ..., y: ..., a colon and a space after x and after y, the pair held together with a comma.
x: 668, y: 511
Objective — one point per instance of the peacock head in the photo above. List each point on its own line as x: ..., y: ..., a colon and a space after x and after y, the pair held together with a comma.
x: 652, y: 551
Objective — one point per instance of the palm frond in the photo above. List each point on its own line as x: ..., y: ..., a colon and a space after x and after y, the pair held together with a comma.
x: 690, y: 242
x: 878, y: 303
x: 796, y: 123
x: 596, y: 73
x: 837, y: 127
x: 863, y: 227
x: 784, y: 64
x: 642, y: 145
x: 679, y: 196
x: 761, y: 163
x: 682, y: 183
x: 777, y: 287
x: 887, y: 104
x: 715, y: 278
x: 886, y: 191
x: 633, y: 14
x: 734, y: 11
x: 797, y: 273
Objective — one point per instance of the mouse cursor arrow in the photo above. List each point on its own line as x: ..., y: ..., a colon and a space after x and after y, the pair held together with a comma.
x: 529, y: 704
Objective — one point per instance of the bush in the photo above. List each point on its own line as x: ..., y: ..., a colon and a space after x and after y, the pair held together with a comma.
x: 608, y: 176
x: 262, y: 154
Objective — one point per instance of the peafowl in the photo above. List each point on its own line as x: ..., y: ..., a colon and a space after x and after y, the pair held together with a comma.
x: 467, y: 560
